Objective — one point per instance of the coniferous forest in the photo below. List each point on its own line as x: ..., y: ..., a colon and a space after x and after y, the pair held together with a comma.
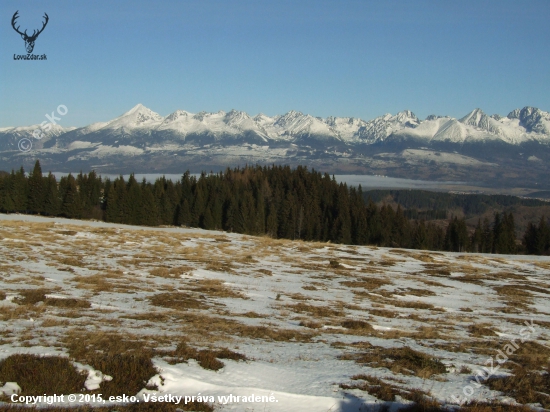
x: 276, y: 201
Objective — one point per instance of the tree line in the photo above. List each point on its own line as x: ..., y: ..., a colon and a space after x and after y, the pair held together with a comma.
x: 276, y: 201
x: 437, y: 202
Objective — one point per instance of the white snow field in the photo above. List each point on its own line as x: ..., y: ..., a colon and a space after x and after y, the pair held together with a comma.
x: 309, y: 317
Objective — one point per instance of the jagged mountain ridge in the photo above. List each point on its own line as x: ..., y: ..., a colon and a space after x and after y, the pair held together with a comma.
x: 438, y: 147
x: 144, y: 126
x: 520, y: 125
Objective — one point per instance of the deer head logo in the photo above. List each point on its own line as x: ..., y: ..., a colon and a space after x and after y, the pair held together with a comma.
x: 29, y: 40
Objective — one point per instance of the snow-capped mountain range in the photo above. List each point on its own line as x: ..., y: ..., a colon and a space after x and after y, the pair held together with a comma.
x: 231, y: 138
x: 519, y: 126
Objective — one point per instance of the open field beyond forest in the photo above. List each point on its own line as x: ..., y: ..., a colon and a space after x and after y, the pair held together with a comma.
x: 96, y: 308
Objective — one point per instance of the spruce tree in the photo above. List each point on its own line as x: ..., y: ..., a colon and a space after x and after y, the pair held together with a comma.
x: 477, y: 238
x: 271, y: 223
x: 132, y: 202
x: 183, y: 214
x: 114, y: 207
x: 487, y: 243
x: 51, y: 196
x: 542, y: 239
x: 147, y: 208
x: 35, y: 201
x: 6, y: 201
x: 19, y: 190
x: 71, y: 206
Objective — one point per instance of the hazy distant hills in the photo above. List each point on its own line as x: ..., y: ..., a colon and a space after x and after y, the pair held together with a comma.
x: 496, y: 149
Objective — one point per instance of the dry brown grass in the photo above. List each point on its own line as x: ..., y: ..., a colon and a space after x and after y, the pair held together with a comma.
x: 315, y: 311
x: 21, y: 312
x: 220, y: 266
x: 431, y: 282
x: 505, y: 276
x: 526, y: 387
x: 69, y: 303
x: 217, y: 288
x: 299, y: 296
x: 309, y: 287
x: 31, y: 296
x: 416, y: 292
x: 357, y: 325
x: 476, y: 279
x: 542, y: 265
x: 160, y: 272
x: 54, y: 322
x: 310, y: 324
x: 38, y: 375
x: 515, y: 297
x: 367, y: 283
x: 374, y: 386
x: 107, y: 281
x: 204, y: 327
x: 70, y: 261
x: 250, y: 314
x: 494, y: 407
x: 67, y: 232
x: 383, y: 313
x: 480, y: 330
x: 178, y: 301
x: 207, y: 358
x: 401, y: 360
x: 428, y: 332
x: 274, y: 334
x: 436, y: 269
x: 409, y: 304
x: 130, y: 371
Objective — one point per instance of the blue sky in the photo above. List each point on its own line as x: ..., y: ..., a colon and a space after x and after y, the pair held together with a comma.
x: 358, y: 58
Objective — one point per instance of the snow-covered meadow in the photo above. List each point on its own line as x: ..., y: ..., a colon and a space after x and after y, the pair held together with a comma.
x: 308, y: 317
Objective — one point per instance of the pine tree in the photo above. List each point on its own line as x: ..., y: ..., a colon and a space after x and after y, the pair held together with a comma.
x: 19, y: 190
x: 183, y: 214
x: 271, y: 223
x: 199, y: 204
x: 35, y: 201
x: 477, y: 238
x: 487, y: 243
x: 420, y: 236
x: 147, y: 213
x: 456, y: 236
x: 51, y: 196
x: 542, y: 239
x: 114, y: 205
x: 510, y: 233
x: 6, y: 201
x: 132, y: 202
x: 504, y: 238
x: 71, y: 206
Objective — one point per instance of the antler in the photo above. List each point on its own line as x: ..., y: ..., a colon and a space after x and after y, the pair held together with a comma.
x: 43, y: 26
x: 15, y: 16
x: 34, y: 33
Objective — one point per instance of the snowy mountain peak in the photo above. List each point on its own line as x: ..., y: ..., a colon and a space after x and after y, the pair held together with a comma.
x: 137, y: 116
x: 407, y: 118
x: 235, y: 115
x: 136, y: 109
x: 478, y: 119
x: 474, y: 117
x: 142, y: 124
x: 534, y: 120
x: 177, y: 115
